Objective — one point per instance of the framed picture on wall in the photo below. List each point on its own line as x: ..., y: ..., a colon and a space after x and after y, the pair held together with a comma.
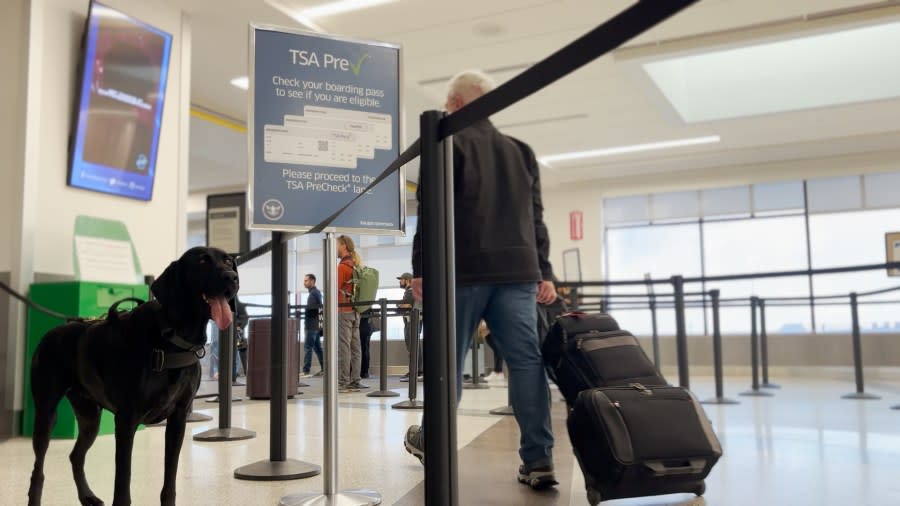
x: 892, y: 250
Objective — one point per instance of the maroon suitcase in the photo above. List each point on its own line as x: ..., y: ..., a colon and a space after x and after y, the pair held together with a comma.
x: 259, y: 346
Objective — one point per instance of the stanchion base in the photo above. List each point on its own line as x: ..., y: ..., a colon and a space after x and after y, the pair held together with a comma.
x: 215, y: 400
x: 383, y: 393
x: 505, y: 410
x: 228, y: 434
x: 193, y: 417
x: 269, y: 470
x: 413, y: 404
x: 861, y: 396
x: 756, y: 393
x: 720, y: 400
x: 896, y: 407
x: 770, y: 385
x: 476, y: 386
x: 357, y: 497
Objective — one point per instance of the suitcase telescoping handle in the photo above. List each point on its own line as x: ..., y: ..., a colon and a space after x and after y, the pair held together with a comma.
x: 663, y: 468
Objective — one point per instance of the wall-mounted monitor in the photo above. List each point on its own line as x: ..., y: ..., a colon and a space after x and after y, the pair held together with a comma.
x: 120, y: 99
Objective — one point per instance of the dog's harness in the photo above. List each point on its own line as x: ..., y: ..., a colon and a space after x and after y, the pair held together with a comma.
x: 161, y: 359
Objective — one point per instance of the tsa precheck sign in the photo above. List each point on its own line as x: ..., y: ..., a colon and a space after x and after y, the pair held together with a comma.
x: 325, y: 121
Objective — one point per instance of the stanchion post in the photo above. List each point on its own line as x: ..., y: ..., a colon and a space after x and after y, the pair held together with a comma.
x: 225, y: 432
x: 857, y: 354
x: 476, y: 383
x: 508, y: 409
x: 278, y: 467
x: 754, y: 353
x: 439, y: 277
x: 764, y: 345
x: 681, y: 332
x: 655, y: 330
x: 717, y: 354
x: 412, y: 402
x: 383, y: 352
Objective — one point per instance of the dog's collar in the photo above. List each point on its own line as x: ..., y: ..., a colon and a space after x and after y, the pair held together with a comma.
x: 170, y: 335
x: 162, y: 360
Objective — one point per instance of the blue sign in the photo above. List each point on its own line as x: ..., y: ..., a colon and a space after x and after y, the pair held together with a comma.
x: 324, y: 123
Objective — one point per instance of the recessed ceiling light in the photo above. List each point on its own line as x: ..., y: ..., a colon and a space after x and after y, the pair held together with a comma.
x: 633, y: 148
x: 242, y: 82
x: 488, y: 29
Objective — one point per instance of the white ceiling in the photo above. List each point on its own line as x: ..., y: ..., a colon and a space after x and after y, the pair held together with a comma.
x: 608, y: 103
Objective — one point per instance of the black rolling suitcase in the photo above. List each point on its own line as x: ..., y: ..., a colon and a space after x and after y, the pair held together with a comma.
x: 585, y: 351
x: 641, y: 440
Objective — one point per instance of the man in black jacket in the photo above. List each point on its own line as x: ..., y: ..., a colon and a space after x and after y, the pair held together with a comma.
x: 502, y: 266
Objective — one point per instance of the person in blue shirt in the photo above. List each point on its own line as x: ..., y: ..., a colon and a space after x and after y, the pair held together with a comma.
x: 313, y: 340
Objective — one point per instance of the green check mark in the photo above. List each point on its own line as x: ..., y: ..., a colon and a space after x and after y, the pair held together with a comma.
x: 355, y: 67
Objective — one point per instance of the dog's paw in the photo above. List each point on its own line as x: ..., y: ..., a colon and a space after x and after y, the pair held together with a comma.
x: 90, y: 501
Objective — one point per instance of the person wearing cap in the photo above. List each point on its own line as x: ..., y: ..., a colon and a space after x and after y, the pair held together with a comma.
x: 406, y: 305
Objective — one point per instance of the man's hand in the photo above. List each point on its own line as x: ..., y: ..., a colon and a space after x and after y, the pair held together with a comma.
x: 417, y: 288
x: 546, y: 292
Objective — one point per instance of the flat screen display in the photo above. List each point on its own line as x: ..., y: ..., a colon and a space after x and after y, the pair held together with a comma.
x: 123, y: 81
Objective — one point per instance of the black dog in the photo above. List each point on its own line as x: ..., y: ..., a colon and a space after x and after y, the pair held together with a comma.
x: 142, y: 365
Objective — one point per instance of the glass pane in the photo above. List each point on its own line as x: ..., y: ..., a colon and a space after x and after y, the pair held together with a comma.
x: 661, y: 251
x: 855, y: 238
x: 617, y: 211
x: 881, y: 190
x: 758, y: 245
x: 726, y: 201
x: 785, y: 196
x: 834, y: 194
x: 669, y: 206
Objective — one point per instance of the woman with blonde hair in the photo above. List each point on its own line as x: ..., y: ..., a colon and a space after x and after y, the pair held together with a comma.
x: 349, y: 351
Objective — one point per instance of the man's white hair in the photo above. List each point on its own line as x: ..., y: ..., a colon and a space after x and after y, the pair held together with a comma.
x: 470, y: 80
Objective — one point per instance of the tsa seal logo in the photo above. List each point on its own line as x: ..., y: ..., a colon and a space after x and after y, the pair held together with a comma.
x: 273, y: 209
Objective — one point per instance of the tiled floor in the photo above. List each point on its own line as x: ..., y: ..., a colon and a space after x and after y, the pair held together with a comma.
x: 805, y: 446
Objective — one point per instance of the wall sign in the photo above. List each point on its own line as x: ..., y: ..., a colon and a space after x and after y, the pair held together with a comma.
x: 576, y: 225
x: 324, y: 122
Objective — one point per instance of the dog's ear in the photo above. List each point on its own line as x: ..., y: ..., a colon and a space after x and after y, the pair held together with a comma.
x: 165, y: 288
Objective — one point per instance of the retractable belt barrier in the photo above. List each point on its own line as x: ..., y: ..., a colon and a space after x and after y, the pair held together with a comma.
x: 628, y: 24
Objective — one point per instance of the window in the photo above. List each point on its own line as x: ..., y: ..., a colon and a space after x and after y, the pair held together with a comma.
x: 854, y: 238
x: 758, y: 245
x: 661, y: 251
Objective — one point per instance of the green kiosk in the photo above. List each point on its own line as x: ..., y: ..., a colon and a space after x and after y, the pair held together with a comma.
x: 106, y: 270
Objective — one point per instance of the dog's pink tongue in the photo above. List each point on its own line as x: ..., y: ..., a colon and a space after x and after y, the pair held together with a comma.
x: 220, y: 312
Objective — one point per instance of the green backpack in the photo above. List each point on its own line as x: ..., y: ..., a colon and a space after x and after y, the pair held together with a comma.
x: 365, y: 286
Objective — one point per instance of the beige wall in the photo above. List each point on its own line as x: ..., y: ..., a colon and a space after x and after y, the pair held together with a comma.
x: 40, y: 41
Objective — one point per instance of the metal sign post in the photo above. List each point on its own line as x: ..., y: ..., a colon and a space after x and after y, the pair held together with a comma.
x: 330, y: 494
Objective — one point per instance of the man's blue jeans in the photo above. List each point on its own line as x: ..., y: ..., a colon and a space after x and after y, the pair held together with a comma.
x: 313, y: 341
x: 511, y: 315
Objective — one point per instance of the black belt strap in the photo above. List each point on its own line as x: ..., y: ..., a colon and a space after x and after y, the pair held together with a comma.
x: 162, y: 360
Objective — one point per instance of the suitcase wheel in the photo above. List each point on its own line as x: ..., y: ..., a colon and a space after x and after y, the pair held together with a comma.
x: 593, y: 497
x: 700, y: 490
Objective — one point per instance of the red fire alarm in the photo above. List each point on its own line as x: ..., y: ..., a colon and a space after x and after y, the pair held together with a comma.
x: 576, y: 225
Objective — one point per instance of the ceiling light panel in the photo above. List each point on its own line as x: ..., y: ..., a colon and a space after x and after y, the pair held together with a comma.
x: 843, y: 67
x: 632, y: 148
